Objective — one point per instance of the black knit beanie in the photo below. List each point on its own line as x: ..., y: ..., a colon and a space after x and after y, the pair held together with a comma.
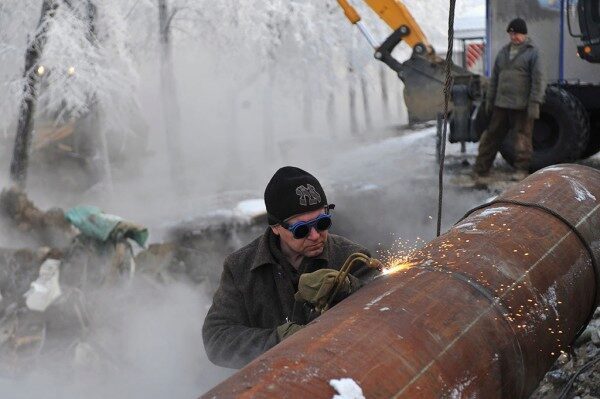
x: 517, y: 25
x: 292, y: 191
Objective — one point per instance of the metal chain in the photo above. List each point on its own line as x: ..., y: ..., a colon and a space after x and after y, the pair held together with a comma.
x: 447, y: 89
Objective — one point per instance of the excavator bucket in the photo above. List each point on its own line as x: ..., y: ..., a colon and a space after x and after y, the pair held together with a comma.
x: 424, y: 79
x: 423, y: 89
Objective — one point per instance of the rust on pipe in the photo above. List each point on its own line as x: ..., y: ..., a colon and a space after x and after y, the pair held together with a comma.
x: 483, y: 312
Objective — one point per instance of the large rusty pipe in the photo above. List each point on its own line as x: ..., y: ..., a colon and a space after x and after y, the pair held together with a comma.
x: 483, y: 312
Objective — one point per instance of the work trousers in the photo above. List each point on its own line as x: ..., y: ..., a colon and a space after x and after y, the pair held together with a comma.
x: 504, y: 120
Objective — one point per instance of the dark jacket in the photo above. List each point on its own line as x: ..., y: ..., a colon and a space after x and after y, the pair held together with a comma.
x: 517, y: 82
x: 256, y: 294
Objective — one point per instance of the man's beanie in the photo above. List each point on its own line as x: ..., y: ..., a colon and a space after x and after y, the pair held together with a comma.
x: 292, y: 191
x: 517, y: 25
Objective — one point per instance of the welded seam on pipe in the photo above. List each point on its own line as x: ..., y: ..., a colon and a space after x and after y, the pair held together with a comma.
x: 566, y: 223
x: 467, y: 279
x: 476, y: 320
x: 494, y: 303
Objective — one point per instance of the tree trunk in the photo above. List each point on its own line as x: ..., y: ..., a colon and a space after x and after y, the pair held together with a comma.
x: 20, y: 158
x: 354, y: 130
x: 307, y: 114
x: 268, y: 120
x: 400, y: 99
x: 234, y: 162
x: 307, y: 105
x: 170, y: 103
x: 331, y: 114
x: 365, y: 97
x: 352, y: 103
x: 385, y: 97
x: 97, y: 132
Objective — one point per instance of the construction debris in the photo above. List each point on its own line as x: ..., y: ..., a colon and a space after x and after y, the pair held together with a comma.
x: 48, y: 228
x: 194, y: 250
x: 45, y: 289
x: 94, y: 223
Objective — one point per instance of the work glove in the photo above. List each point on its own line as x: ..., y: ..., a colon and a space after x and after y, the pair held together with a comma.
x: 316, y: 287
x: 287, y: 329
x: 533, y: 111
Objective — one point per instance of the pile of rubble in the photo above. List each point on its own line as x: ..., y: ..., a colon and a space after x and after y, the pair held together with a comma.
x: 47, y: 287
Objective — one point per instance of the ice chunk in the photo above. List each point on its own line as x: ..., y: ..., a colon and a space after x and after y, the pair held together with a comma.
x: 45, y: 289
x: 493, y: 211
x: 346, y: 388
x: 251, y: 208
x: 581, y: 192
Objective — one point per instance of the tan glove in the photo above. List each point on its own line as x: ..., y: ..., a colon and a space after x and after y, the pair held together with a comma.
x: 287, y: 329
x: 316, y: 287
x: 533, y: 111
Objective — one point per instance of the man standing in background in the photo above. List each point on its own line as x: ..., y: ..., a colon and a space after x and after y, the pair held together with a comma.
x: 514, y: 95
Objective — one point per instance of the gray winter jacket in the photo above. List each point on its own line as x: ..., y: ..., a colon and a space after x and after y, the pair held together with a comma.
x: 516, y: 83
x: 256, y: 294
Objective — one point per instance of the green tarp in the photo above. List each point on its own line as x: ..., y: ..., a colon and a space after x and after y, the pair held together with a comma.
x: 92, y: 222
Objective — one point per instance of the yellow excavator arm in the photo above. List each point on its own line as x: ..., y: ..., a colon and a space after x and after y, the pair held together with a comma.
x: 424, y: 74
x: 395, y: 14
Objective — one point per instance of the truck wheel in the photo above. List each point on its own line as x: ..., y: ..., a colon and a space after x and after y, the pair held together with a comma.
x: 594, y: 143
x: 560, y: 135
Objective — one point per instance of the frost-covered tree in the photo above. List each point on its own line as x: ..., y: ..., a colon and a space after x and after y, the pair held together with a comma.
x: 18, y: 21
x: 170, y: 101
x: 32, y: 71
x: 88, y: 58
x: 86, y: 64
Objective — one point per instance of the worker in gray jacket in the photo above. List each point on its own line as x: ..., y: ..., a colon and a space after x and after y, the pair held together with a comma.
x: 514, y: 95
x: 268, y: 288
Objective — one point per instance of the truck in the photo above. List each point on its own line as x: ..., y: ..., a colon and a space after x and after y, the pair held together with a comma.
x: 567, y: 33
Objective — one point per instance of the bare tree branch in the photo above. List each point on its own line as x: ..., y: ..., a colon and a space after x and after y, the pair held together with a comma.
x: 131, y: 9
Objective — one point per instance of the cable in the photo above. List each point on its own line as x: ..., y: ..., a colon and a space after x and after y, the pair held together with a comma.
x: 343, y: 273
x: 447, y: 88
x: 567, y: 388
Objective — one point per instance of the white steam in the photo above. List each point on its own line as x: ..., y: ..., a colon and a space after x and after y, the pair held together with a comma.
x: 144, y: 342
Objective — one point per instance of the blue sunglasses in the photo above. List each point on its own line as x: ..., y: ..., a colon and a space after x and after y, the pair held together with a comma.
x: 302, y: 229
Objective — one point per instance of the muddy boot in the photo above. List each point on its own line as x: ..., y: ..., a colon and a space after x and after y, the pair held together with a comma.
x: 519, y: 175
x: 482, y: 181
x: 471, y: 180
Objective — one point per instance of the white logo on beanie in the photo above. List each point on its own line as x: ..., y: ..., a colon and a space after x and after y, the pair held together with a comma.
x: 308, y: 192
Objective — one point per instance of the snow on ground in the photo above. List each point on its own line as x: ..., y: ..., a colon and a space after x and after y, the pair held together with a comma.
x: 346, y: 388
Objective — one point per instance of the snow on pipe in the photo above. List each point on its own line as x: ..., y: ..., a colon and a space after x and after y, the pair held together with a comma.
x: 481, y: 311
